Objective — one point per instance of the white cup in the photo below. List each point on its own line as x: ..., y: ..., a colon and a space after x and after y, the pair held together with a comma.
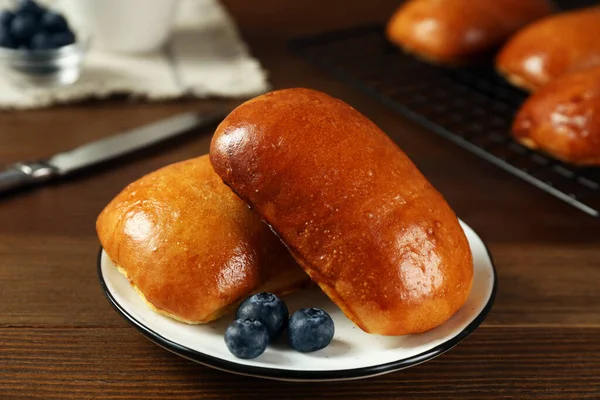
x: 133, y: 26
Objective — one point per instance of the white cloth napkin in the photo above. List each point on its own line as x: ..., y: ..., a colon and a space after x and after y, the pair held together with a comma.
x: 205, y: 57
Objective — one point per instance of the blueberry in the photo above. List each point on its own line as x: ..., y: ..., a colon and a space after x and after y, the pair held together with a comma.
x: 29, y: 7
x: 6, y: 18
x: 310, y: 329
x: 23, y: 27
x: 62, y: 39
x: 246, y: 338
x: 268, y: 309
x: 54, y: 22
x: 5, y: 39
x: 41, y: 41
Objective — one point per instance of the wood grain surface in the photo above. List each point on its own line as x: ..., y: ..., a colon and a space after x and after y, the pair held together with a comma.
x: 60, y: 339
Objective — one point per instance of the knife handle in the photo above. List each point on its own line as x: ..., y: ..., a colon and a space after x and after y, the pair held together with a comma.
x: 25, y: 174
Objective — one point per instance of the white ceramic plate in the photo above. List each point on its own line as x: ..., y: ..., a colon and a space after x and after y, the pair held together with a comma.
x: 353, y: 354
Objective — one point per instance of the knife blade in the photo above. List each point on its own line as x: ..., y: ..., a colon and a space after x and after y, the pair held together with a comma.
x: 61, y: 164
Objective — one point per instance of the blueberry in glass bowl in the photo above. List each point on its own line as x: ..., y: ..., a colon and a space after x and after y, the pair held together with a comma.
x: 39, y: 46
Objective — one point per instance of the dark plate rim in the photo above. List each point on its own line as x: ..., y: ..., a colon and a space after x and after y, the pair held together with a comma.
x: 286, y: 374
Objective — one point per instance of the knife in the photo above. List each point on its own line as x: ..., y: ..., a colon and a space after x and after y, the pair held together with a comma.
x: 35, y: 172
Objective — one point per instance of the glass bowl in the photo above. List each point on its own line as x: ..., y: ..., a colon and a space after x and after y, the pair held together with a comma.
x: 54, y: 67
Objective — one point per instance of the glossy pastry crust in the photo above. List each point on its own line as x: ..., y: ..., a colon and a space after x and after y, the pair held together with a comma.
x: 552, y: 47
x: 457, y: 31
x: 563, y: 118
x: 190, y: 246
x: 354, y: 211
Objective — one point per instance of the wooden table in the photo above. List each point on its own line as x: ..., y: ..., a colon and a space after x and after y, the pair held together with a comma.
x: 60, y: 339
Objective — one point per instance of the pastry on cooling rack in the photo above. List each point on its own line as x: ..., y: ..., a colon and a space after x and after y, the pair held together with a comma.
x: 563, y: 118
x: 190, y: 246
x: 551, y: 47
x: 457, y: 31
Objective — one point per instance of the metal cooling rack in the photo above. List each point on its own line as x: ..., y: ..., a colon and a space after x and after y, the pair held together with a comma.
x: 473, y: 107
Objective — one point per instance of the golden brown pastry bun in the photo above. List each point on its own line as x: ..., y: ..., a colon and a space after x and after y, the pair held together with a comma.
x: 552, y: 47
x: 456, y: 31
x: 354, y: 211
x: 190, y: 246
x: 563, y: 118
